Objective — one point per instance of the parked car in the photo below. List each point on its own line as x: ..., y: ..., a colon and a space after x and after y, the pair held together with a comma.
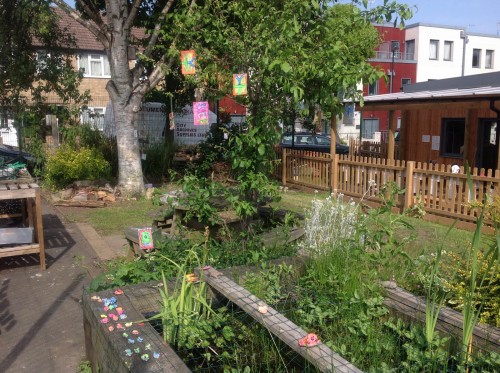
x: 312, y: 142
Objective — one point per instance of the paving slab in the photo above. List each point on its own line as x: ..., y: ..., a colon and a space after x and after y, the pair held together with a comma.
x: 41, y: 319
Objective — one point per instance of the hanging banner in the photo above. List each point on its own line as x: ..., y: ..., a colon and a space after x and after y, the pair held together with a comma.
x: 188, y: 62
x: 239, y: 84
x: 146, y: 239
x: 200, y: 113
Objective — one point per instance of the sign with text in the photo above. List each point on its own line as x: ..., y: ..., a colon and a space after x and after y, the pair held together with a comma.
x: 200, y: 113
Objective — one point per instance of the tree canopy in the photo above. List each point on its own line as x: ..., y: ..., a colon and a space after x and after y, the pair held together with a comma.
x: 35, y: 57
x: 292, y: 50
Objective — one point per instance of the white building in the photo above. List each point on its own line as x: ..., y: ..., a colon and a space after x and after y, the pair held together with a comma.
x: 446, y: 52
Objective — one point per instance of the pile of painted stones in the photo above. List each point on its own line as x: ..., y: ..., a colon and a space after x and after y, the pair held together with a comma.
x: 113, y: 312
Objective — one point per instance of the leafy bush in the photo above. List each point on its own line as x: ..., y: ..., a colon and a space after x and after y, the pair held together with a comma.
x: 67, y: 165
x: 84, y: 136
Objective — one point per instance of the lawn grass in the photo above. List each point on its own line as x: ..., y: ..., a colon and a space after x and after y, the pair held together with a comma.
x: 116, y: 217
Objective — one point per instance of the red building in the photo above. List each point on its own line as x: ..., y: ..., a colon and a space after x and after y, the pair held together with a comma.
x: 400, y: 66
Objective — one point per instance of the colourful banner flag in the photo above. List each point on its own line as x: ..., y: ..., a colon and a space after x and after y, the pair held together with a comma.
x: 239, y: 84
x: 200, y: 113
x: 188, y: 62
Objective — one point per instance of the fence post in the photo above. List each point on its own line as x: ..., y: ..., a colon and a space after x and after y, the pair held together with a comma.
x: 283, y: 166
x: 410, y: 167
x: 334, y: 173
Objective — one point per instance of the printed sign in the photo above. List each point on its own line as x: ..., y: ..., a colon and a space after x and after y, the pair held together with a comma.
x: 200, y: 113
x: 188, y: 62
x: 145, y: 239
x: 239, y: 84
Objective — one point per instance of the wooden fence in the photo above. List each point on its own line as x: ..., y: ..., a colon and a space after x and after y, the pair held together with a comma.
x: 436, y: 188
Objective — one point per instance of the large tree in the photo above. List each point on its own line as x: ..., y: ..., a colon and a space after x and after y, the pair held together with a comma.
x: 173, y: 25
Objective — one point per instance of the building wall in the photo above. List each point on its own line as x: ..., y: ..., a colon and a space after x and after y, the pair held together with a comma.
x: 430, y: 69
x: 404, y: 68
x: 421, y: 124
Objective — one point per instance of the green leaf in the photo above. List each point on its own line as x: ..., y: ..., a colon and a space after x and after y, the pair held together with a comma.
x: 261, y: 149
x: 285, y: 66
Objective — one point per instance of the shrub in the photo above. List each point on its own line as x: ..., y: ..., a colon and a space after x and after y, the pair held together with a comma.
x: 67, y: 165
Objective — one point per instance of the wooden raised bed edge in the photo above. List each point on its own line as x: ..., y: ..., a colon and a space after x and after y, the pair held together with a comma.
x: 485, y: 337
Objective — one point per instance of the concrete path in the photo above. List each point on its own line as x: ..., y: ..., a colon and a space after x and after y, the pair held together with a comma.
x: 41, y: 327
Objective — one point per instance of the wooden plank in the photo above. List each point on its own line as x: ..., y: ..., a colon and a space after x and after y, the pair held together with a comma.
x: 449, y: 321
x: 17, y: 193
x: 19, y: 250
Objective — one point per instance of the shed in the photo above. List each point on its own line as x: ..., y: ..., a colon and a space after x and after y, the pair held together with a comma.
x: 448, y: 121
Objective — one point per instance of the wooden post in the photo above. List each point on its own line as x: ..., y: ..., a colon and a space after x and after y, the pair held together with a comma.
x: 410, y: 167
x: 392, y: 129
x: 333, y: 143
x: 283, y: 166
x: 39, y: 227
x: 402, y: 136
x: 334, y: 179
x: 468, y: 121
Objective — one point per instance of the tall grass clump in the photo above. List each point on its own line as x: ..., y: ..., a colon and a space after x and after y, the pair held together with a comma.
x: 339, y: 297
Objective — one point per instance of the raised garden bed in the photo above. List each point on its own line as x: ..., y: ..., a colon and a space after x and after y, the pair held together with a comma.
x: 131, y: 344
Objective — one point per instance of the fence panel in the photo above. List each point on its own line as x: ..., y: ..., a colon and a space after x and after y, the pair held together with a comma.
x: 307, y: 168
x: 436, y: 188
x: 363, y: 176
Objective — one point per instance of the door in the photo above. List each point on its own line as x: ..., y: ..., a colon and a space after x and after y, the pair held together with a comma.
x: 487, y: 144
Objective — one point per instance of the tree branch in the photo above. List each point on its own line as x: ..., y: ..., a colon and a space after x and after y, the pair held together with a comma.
x: 132, y: 14
x: 156, y: 32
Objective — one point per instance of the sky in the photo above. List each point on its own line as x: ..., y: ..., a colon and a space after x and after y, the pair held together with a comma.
x: 478, y: 16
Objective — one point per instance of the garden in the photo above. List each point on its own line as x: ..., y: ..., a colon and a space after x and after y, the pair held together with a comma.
x: 329, y: 283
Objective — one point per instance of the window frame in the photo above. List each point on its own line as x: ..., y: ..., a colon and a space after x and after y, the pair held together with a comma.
x: 432, y: 42
x: 479, y: 51
x: 450, y: 57
x: 410, y: 49
x: 408, y: 81
x: 491, y: 65
x: 448, y: 123
x: 375, y: 89
x: 103, y: 60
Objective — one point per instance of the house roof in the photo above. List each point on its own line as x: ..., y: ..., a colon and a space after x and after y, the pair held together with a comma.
x: 462, y: 82
x: 465, y: 92
x: 84, y: 39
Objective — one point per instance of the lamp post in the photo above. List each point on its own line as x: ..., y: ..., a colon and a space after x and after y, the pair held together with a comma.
x: 394, y: 48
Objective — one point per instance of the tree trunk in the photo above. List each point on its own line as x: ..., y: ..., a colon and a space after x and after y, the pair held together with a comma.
x: 130, y: 176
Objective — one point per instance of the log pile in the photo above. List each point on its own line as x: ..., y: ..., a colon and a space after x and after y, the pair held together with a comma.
x: 86, y: 196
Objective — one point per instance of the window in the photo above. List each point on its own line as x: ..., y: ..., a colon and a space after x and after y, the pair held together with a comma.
x: 94, y: 65
x: 94, y: 116
x: 488, y: 61
x: 373, y: 89
x: 410, y: 49
x: 370, y: 126
x: 452, y: 137
x: 405, y: 81
x: 434, y: 49
x: 476, y: 58
x: 448, y: 50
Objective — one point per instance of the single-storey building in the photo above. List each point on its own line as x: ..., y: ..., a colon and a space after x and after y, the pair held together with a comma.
x: 448, y: 121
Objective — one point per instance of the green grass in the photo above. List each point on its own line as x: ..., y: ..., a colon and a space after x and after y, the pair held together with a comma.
x: 114, y: 218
